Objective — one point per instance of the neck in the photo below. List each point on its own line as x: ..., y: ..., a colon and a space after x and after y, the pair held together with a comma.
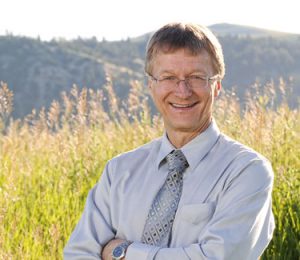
x: 180, y: 137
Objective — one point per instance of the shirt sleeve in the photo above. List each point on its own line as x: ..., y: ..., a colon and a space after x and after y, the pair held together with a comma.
x: 241, y: 227
x: 94, y: 228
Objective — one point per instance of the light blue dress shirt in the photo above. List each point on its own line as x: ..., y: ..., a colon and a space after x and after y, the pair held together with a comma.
x: 225, y: 211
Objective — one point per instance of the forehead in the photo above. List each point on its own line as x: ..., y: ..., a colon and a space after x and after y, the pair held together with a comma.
x: 182, y: 60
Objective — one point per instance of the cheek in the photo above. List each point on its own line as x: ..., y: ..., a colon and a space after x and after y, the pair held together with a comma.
x: 208, y: 99
x: 158, y: 94
x: 205, y: 94
x: 157, y: 98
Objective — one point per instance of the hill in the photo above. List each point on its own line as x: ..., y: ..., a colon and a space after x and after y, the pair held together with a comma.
x: 39, y: 71
x: 225, y: 29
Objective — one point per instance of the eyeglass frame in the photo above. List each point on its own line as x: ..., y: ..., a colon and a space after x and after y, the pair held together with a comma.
x: 208, y: 79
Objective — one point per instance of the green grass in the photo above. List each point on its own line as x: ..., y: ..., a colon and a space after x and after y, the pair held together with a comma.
x: 50, y: 160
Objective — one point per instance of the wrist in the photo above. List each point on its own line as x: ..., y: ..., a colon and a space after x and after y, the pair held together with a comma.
x: 119, y: 251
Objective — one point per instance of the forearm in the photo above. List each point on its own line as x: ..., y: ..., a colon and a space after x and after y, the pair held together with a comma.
x: 94, y: 228
x: 241, y: 228
x: 106, y: 253
x: 86, y: 242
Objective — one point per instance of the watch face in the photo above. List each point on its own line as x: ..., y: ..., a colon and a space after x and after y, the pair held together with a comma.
x: 118, y: 252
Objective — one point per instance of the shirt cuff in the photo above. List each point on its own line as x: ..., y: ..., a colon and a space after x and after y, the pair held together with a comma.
x: 141, y: 251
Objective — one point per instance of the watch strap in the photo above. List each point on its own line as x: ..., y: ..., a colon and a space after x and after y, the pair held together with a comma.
x: 123, y: 245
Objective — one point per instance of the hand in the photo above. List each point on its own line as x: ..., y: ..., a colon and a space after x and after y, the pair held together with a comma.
x: 109, y: 247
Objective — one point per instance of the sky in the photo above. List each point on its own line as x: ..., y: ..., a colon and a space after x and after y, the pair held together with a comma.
x: 120, y: 19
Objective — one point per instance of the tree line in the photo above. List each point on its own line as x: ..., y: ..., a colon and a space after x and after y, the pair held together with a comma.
x: 38, y: 71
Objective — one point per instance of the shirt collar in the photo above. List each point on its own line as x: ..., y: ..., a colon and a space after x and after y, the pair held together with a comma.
x: 199, y: 147
x: 165, y: 148
x: 195, y: 150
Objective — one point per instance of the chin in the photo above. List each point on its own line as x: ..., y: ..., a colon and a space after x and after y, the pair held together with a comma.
x: 184, y: 128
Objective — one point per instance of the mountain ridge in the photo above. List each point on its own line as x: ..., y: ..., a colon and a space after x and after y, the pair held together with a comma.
x: 38, y: 71
x: 228, y: 29
x: 224, y: 29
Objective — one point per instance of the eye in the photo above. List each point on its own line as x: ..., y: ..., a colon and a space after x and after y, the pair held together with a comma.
x: 168, y: 78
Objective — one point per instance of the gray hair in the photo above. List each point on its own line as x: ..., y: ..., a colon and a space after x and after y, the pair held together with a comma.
x: 192, y: 37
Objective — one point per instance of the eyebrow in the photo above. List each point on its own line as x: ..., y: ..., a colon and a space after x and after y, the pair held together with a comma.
x: 192, y: 72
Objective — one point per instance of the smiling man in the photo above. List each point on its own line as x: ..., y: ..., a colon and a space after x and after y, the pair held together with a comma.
x: 194, y: 193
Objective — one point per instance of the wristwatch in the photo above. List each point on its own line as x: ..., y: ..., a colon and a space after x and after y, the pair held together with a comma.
x: 119, y: 251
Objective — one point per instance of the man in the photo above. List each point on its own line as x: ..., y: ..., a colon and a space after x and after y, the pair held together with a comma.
x: 192, y: 194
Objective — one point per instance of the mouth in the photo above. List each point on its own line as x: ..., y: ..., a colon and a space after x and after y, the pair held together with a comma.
x: 183, y: 106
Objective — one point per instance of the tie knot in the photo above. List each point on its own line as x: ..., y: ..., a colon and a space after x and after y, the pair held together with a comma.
x: 177, y: 161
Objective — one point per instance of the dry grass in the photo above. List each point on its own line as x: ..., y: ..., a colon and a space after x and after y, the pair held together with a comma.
x: 50, y: 160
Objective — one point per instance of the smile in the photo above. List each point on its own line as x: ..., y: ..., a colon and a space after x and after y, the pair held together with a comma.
x: 175, y: 105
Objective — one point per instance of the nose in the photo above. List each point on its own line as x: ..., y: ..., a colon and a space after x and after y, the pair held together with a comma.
x: 183, y: 90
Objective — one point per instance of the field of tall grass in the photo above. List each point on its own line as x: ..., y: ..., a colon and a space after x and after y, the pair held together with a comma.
x: 50, y: 159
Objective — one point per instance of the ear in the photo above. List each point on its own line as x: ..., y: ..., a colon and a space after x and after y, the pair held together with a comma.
x: 150, y: 85
x: 218, y: 87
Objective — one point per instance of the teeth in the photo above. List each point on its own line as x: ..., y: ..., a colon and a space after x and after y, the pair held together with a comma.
x: 181, y: 105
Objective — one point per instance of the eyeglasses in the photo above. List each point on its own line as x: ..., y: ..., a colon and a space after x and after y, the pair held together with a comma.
x: 194, y: 81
